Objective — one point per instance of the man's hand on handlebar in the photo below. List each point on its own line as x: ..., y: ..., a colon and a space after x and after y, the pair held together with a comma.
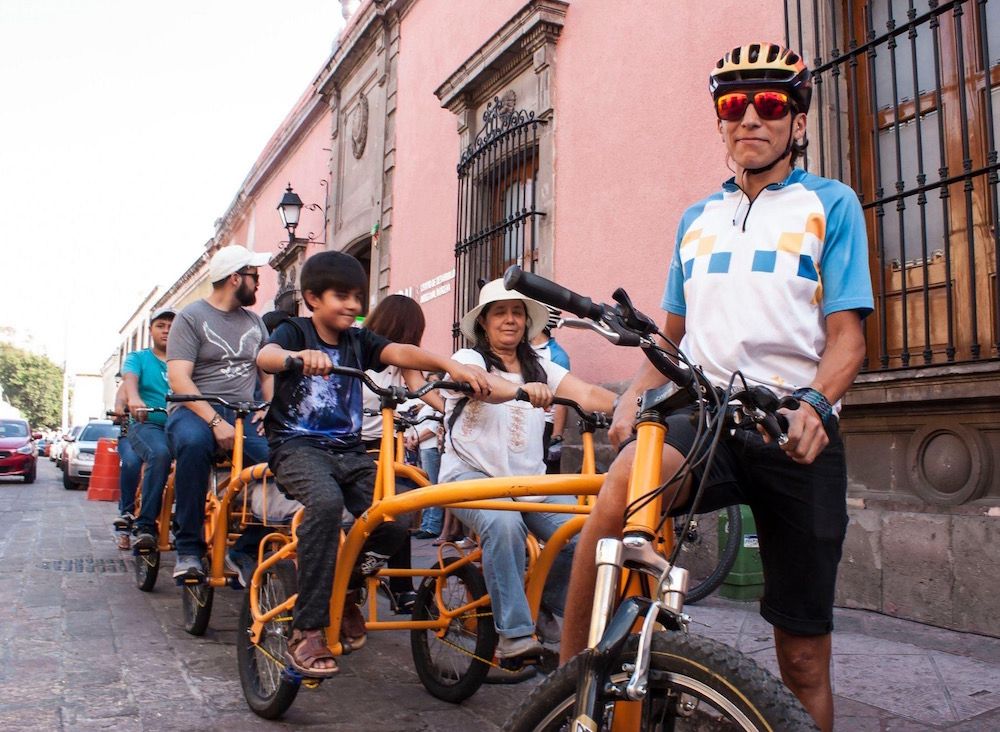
x: 138, y: 409
x: 623, y: 422
x: 225, y: 435
x: 806, y: 434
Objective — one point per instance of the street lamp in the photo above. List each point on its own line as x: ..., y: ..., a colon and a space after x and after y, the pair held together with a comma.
x: 290, y: 208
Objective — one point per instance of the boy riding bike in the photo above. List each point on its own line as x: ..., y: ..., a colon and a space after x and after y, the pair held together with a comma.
x: 769, y: 277
x: 314, y: 433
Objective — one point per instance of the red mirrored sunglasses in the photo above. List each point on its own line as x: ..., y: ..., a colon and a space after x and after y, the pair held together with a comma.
x: 770, y: 105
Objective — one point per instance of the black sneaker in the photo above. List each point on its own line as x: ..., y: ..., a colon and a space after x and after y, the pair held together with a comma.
x: 145, y: 542
x: 123, y: 523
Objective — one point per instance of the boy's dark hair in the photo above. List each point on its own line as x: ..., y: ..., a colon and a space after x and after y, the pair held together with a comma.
x: 398, y: 318
x: 333, y: 271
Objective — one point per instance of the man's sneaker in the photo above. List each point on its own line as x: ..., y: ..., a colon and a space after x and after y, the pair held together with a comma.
x: 189, y: 567
x: 525, y: 646
x: 145, y: 542
x: 465, y: 543
x: 123, y: 523
x: 242, y: 564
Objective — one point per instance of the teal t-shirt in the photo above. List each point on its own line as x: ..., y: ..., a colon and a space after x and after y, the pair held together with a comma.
x: 153, y: 385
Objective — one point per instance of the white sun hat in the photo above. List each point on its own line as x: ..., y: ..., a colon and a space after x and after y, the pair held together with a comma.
x: 495, y: 291
x: 233, y: 258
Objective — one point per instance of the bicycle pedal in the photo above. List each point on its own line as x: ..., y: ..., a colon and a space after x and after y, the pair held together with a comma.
x: 292, y: 676
x: 310, y: 683
x: 188, y: 580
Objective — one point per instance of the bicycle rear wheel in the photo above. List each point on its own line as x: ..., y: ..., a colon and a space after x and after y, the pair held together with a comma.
x: 147, y: 567
x: 452, y: 667
x: 267, y: 686
x: 197, y: 599
x: 707, y: 562
x: 695, y: 685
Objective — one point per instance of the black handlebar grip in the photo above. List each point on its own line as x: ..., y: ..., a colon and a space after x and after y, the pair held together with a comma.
x: 521, y: 396
x: 548, y: 292
x: 294, y: 364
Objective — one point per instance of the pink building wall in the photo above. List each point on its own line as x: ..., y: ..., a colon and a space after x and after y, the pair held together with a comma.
x: 635, y: 143
x: 257, y: 223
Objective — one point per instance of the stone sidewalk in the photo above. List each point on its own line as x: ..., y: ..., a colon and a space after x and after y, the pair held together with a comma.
x: 82, y: 649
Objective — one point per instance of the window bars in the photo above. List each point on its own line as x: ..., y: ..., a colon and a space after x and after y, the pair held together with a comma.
x: 497, y: 214
x: 906, y: 109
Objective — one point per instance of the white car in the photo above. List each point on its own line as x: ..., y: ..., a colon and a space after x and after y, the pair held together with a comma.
x: 78, y: 459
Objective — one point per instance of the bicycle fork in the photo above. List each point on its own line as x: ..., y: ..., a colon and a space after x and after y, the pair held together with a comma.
x: 609, y: 630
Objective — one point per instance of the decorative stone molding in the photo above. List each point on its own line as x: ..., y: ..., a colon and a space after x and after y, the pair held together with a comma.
x: 359, y: 126
x: 535, y: 28
x: 949, y: 463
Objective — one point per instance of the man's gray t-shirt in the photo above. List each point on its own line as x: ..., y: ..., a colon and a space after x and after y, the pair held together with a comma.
x: 222, y: 346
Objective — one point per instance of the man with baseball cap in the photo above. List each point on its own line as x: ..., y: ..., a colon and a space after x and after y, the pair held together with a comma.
x: 213, y: 350
x: 144, y: 380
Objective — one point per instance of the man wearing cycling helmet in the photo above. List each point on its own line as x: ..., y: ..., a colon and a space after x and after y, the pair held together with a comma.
x: 769, y: 276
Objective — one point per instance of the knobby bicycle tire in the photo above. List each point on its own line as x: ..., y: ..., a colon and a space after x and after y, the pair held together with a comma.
x: 453, y: 667
x: 709, y: 566
x: 147, y: 568
x: 695, y: 683
x: 197, y: 602
x: 267, y: 686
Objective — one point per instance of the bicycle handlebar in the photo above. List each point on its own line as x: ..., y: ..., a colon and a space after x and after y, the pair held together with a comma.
x: 550, y: 293
x: 239, y: 407
x: 622, y: 324
x: 399, y: 394
x: 596, y: 419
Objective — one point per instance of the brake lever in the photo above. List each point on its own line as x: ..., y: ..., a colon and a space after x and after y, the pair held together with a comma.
x: 634, y: 319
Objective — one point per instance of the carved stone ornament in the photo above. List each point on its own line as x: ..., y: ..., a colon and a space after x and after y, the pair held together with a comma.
x: 359, y: 127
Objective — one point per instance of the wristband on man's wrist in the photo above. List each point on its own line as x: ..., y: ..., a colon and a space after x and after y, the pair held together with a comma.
x: 816, y: 400
x: 215, y: 421
x: 555, y: 438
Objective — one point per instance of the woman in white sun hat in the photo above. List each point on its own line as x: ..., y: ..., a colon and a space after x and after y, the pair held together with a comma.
x: 498, y: 438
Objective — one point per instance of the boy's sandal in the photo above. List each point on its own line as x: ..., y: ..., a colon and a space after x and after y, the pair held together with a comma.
x: 353, y: 633
x: 305, y: 648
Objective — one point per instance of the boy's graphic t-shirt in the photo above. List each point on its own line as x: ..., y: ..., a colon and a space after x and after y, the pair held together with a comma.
x: 326, y: 411
x: 153, y: 386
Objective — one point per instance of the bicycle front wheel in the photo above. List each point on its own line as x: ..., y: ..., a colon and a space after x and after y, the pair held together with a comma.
x: 695, y: 685
x: 267, y: 685
x: 197, y: 599
x: 147, y: 567
x: 707, y: 562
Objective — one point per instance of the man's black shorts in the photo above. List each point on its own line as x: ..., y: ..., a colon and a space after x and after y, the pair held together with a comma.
x: 801, y: 516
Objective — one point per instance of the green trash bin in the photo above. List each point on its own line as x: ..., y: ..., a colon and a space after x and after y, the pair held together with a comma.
x: 746, y: 579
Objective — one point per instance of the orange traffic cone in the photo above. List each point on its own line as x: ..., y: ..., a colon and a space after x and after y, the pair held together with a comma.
x: 107, y: 466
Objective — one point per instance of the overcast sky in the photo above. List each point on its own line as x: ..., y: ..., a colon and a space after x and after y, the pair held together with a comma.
x: 126, y: 129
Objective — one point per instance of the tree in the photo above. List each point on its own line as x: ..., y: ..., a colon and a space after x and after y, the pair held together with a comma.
x: 33, y: 384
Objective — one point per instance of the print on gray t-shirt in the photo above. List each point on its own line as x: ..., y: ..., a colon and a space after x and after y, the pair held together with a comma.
x: 222, y: 346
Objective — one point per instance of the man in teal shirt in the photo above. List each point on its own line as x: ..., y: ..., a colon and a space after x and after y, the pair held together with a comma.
x: 146, y: 387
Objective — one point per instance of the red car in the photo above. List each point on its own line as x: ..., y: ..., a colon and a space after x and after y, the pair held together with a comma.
x: 17, y: 449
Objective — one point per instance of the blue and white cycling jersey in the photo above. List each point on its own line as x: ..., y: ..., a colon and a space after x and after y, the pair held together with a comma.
x: 755, y: 281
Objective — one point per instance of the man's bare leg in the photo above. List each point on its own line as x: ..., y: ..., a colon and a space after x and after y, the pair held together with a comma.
x: 606, y: 519
x: 804, y: 661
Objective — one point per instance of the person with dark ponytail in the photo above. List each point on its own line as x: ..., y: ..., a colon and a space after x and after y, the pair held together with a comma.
x: 496, y: 437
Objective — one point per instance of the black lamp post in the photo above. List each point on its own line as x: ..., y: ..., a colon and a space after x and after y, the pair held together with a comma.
x: 290, y: 208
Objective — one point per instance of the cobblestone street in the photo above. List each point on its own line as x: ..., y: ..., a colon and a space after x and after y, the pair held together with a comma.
x: 82, y: 649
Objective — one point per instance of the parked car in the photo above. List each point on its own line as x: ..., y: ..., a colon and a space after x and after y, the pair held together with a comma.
x: 78, y: 459
x: 42, y: 445
x: 56, y: 453
x: 18, y: 455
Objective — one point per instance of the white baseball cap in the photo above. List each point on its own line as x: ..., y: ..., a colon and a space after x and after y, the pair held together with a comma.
x: 232, y: 259
x: 162, y: 314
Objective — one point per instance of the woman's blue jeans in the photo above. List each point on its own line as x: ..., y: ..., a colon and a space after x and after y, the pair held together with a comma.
x: 503, y: 538
x: 432, y: 518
